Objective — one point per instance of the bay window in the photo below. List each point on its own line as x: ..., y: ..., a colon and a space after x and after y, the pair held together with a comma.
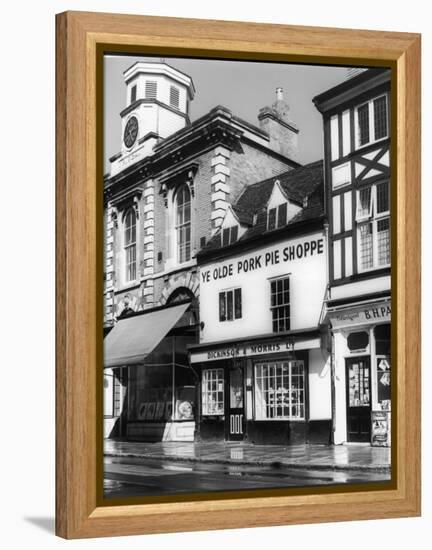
x: 373, y: 226
x: 280, y: 390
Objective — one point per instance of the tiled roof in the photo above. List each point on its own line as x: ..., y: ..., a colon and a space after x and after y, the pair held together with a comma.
x: 303, y: 186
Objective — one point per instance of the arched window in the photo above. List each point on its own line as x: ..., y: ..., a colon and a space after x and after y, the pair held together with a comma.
x: 130, y: 244
x: 183, y: 224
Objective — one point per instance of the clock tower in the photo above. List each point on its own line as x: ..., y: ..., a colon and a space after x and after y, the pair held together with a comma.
x: 157, y: 105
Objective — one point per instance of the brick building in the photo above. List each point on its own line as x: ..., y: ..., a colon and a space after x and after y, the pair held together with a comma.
x: 167, y: 193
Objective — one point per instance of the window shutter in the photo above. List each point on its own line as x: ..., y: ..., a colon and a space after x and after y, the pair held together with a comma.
x: 237, y: 303
x: 151, y: 89
x: 282, y: 214
x: 174, y: 97
x: 222, y: 312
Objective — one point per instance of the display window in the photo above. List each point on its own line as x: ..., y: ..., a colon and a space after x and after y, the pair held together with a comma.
x: 280, y: 390
x: 213, y: 392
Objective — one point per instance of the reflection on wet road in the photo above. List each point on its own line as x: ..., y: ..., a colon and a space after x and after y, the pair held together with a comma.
x: 138, y: 477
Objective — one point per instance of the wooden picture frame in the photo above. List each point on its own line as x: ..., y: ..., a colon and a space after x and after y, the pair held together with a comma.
x: 81, y: 37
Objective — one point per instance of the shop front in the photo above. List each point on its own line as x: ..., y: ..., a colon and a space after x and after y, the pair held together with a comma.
x: 148, y: 353
x: 268, y: 390
x: 362, y: 372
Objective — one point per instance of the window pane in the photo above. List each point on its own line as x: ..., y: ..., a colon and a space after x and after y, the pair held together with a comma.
x: 363, y: 124
x: 382, y: 191
x: 133, y: 94
x: 225, y: 236
x: 238, y: 303
x: 282, y: 214
x: 364, y: 202
x: 222, y: 311
x: 380, y: 117
x: 271, y: 219
x: 229, y: 296
x: 234, y: 233
x: 383, y: 228
x: 366, y: 246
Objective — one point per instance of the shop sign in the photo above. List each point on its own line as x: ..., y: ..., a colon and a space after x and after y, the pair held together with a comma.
x: 361, y: 316
x: 238, y: 351
x: 303, y: 250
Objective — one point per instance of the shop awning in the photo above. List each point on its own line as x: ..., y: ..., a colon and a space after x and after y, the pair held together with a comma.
x: 133, y: 338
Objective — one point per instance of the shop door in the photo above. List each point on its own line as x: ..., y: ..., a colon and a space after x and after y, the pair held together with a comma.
x: 358, y: 399
x: 236, y: 419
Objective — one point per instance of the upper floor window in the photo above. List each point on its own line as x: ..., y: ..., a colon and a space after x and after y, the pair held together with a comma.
x: 372, y: 121
x: 174, y: 97
x: 280, y: 304
x: 183, y: 224
x: 373, y: 226
x: 229, y: 235
x: 150, y: 89
x: 133, y: 95
x: 230, y: 305
x: 277, y: 217
x: 130, y: 244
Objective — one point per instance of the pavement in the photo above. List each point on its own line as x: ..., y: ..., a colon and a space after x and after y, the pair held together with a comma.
x: 308, y: 456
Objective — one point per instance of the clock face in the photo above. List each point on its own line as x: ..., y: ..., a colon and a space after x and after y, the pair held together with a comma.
x: 130, y: 131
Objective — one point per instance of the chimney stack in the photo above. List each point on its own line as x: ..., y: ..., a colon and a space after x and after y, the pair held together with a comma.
x: 283, y: 133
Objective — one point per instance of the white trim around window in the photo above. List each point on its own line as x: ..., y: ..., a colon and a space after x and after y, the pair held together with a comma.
x: 375, y: 121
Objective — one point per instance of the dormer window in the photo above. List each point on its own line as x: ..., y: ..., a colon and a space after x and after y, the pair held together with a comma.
x: 277, y: 217
x: 229, y: 235
x: 174, y: 97
x: 150, y: 89
x: 133, y: 94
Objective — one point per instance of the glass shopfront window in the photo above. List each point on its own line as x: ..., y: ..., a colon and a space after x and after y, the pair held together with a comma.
x: 213, y: 392
x: 280, y: 390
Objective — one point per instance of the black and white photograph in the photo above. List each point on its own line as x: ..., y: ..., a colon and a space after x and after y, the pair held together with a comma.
x: 247, y: 276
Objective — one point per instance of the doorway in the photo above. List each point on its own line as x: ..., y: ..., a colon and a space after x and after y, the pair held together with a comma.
x: 235, y: 427
x: 358, y: 385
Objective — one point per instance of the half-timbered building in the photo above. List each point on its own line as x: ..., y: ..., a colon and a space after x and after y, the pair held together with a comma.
x: 356, y: 116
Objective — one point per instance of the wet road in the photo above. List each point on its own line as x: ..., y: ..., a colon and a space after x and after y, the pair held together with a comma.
x: 138, y: 477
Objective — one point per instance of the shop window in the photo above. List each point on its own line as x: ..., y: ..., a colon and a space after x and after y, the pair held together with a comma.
x: 130, y: 244
x: 280, y: 391
x: 373, y: 226
x: 229, y: 235
x: 230, y: 305
x: 280, y: 304
x: 372, y: 121
x: 183, y: 224
x: 358, y: 341
x: 213, y: 392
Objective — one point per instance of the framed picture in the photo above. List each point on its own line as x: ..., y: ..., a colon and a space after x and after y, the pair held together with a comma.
x: 238, y: 275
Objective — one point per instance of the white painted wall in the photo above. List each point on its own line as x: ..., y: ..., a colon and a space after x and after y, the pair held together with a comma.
x: 319, y: 385
x: 307, y: 286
